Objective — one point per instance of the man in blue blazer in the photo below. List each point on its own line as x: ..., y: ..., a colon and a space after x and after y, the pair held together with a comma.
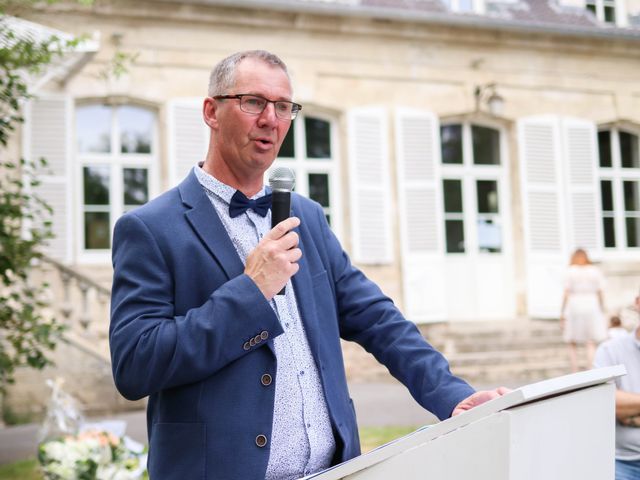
x: 244, y: 383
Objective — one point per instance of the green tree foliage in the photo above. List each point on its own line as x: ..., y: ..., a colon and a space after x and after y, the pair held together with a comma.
x: 26, y: 335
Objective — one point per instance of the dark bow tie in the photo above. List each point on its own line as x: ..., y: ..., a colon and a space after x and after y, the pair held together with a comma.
x: 240, y: 203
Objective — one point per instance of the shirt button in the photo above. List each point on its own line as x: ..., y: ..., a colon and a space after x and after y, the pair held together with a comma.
x: 301, y: 372
x: 261, y: 440
x: 266, y: 379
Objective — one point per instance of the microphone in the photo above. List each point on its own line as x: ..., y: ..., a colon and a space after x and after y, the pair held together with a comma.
x: 281, y: 181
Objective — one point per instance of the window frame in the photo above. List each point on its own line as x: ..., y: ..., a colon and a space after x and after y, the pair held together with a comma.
x: 303, y: 166
x: 619, y: 11
x: 477, y: 6
x: 617, y: 175
x: 117, y: 162
x: 470, y: 173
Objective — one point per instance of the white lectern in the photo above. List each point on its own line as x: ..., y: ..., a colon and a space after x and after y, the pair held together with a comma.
x: 557, y: 429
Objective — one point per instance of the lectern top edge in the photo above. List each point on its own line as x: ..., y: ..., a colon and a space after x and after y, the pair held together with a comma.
x: 525, y: 394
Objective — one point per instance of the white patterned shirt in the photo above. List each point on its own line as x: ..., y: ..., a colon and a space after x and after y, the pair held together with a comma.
x: 302, y: 439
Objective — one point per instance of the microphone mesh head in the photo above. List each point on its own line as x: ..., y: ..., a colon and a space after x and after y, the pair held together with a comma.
x: 282, y: 179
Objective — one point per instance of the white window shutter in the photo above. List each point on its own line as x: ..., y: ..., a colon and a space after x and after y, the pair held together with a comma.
x: 581, y: 185
x: 417, y: 136
x: 540, y: 152
x: 370, y: 194
x: 188, y: 137
x: 48, y: 135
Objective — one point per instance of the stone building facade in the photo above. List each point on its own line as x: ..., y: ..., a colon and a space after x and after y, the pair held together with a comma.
x: 461, y: 148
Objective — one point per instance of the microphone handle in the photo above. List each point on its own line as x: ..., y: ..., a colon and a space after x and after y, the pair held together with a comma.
x: 280, y: 210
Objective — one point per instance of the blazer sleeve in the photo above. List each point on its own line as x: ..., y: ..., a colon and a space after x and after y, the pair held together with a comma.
x: 153, y: 349
x: 371, y: 319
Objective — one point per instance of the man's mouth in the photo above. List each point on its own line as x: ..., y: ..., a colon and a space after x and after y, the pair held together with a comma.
x: 265, y: 142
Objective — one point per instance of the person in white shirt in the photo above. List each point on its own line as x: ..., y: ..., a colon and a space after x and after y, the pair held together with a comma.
x: 625, y: 350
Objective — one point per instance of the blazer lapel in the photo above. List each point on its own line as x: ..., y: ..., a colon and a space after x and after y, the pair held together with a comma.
x: 208, y: 227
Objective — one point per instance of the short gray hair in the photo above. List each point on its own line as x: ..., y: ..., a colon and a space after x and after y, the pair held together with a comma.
x: 223, y: 75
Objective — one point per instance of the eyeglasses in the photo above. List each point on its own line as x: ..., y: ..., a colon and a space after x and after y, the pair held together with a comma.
x: 255, y: 105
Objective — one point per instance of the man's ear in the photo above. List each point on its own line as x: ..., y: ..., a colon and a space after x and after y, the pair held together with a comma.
x: 210, y: 112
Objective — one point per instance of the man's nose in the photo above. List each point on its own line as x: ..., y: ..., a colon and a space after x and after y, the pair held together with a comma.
x: 268, y: 115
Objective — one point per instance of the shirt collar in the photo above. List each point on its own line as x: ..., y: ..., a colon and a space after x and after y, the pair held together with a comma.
x: 221, y: 190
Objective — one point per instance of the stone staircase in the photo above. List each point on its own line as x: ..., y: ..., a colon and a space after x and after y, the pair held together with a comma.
x: 80, y: 301
x: 510, y: 353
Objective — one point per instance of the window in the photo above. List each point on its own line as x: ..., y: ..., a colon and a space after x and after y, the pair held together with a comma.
x: 471, y: 186
x: 619, y: 169
x: 309, y: 150
x: 604, y: 10
x: 115, y: 151
x: 473, y: 6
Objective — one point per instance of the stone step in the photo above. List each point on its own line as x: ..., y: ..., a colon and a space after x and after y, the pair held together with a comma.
x: 497, y: 345
x: 529, y: 356
x: 511, y: 375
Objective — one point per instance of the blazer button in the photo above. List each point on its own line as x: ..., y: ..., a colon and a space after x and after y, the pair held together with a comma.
x: 246, y: 346
x: 264, y: 335
x: 257, y: 339
x: 266, y: 379
x: 252, y: 342
x: 261, y: 441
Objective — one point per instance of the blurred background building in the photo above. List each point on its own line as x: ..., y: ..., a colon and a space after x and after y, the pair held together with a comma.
x: 461, y: 149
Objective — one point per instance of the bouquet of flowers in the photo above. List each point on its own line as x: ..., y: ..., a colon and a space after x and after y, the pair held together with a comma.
x: 72, y: 449
x: 91, y: 455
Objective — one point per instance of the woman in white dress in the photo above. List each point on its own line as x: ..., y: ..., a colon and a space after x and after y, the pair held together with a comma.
x: 582, y: 317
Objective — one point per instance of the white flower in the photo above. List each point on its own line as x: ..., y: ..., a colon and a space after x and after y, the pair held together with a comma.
x: 110, y: 457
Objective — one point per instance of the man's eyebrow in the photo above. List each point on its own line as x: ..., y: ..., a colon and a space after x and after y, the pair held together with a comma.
x: 255, y: 94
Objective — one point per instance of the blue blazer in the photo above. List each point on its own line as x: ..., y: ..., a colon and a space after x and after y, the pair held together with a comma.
x: 182, y: 311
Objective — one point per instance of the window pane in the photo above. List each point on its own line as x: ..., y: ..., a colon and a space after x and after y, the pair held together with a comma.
x: 97, y: 230
x: 319, y: 188
x: 609, y: 232
x: 287, y: 148
x: 136, y: 186
x: 604, y: 148
x: 629, y: 150
x: 465, y: 5
x: 93, y: 129
x: 631, y: 197
x: 486, y: 145
x: 136, y: 129
x: 633, y: 232
x: 489, y: 235
x: 318, y: 137
x: 452, y: 196
x: 487, y: 191
x: 451, y: 138
x: 609, y: 14
x: 606, y: 195
x: 454, y: 230
x: 96, y: 185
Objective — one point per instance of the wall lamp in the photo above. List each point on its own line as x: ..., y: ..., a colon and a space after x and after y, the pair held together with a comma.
x: 488, y: 95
